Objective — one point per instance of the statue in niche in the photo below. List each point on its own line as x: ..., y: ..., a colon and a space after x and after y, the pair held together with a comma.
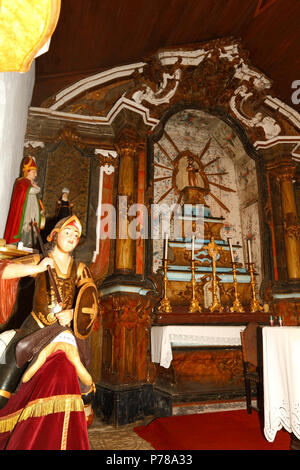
x: 192, y: 172
x: 194, y: 176
x: 26, y: 206
x: 64, y: 208
x: 190, y: 179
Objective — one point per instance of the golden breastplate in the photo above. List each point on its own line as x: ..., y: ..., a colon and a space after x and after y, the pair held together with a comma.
x: 44, y: 296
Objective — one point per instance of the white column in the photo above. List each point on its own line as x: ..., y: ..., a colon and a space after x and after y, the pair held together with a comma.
x: 108, y: 169
x: 15, y: 97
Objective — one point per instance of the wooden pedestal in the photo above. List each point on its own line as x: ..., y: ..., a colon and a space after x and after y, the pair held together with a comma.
x: 124, y: 392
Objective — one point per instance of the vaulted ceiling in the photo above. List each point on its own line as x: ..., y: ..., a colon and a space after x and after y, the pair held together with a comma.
x: 93, y: 35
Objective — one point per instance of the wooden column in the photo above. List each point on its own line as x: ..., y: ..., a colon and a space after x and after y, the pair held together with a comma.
x: 125, y: 245
x: 285, y: 173
x: 125, y: 391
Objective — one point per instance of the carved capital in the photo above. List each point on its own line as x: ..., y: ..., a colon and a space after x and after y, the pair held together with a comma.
x: 282, y: 170
x: 126, y: 149
x: 286, y: 174
x: 291, y: 225
x: 129, y: 144
x: 107, y: 157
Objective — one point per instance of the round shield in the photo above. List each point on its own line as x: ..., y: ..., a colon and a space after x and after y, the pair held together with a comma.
x: 86, y: 310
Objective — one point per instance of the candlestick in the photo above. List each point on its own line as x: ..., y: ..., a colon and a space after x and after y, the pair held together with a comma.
x: 165, y: 305
x: 193, y: 247
x: 166, y: 246
x: 249, y: 251
x: 254, y: 304
x: 194, y: 305
x: 213, y: 251
x: 230, y: 247
x: 236, y: 306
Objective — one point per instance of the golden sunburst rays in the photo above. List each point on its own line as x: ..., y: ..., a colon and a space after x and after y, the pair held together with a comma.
x: 172, y: 142
x: 204, y: 150
x: 164, y: 195
x: 221, y: 204
x: 169, y: 160
x: 165, y: 153
x: 211, y: 162
x: 172, y: 157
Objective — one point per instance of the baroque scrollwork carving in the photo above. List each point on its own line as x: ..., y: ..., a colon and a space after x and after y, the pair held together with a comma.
x: 128, y: 309
x: 33, y: 148
x: 70, y: 136
x: 218, y: 75
x: 268, y: 124
x: 157, y: 85
x: 211, y: 81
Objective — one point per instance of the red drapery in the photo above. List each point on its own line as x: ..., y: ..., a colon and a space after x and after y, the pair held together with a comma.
x: 16, y: 211
x: 8, y: 294
x: 46, y: 413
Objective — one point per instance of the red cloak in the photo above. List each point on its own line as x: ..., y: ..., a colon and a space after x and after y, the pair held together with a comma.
x: 46, y: 413
x: 8, y: 293
x: 17, y: 210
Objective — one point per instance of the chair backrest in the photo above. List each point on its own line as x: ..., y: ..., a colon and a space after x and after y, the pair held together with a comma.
x: 249, y: 343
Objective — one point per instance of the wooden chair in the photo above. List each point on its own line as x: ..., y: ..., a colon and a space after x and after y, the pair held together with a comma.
x: 251, y: 364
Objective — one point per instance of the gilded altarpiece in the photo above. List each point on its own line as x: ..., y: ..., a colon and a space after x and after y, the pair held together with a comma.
x: 227, y: 176
x: 202, y: 111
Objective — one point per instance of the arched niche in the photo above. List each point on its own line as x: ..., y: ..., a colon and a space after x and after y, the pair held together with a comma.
x: 225, y: 170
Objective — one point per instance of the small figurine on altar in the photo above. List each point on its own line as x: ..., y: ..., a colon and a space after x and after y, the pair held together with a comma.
x: 192, y: 172
x: 64, y: 208
x: 26, y: 206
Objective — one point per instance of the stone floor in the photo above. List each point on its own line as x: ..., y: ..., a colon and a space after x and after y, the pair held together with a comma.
x: 103, y: 436
x: 106, y: 437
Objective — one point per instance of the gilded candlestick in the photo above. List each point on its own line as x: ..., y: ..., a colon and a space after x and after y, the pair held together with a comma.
x: 254, y: 304
x: 236, y: 306
x: 165, y: 305
x: 194, y: 305
x: 213, y: 251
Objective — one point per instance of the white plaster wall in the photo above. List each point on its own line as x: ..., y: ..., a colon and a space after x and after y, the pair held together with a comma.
x: 15, y: 97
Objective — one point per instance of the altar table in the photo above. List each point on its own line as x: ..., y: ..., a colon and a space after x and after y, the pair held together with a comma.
x: 281, y: 375
x: 164, y: 337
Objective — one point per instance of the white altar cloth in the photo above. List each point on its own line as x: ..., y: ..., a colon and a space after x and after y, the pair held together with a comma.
x: 281, y: 373
x: 163, y: 337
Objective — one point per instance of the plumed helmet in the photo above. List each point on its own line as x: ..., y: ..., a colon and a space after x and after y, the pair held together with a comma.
x: 63, y: 223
